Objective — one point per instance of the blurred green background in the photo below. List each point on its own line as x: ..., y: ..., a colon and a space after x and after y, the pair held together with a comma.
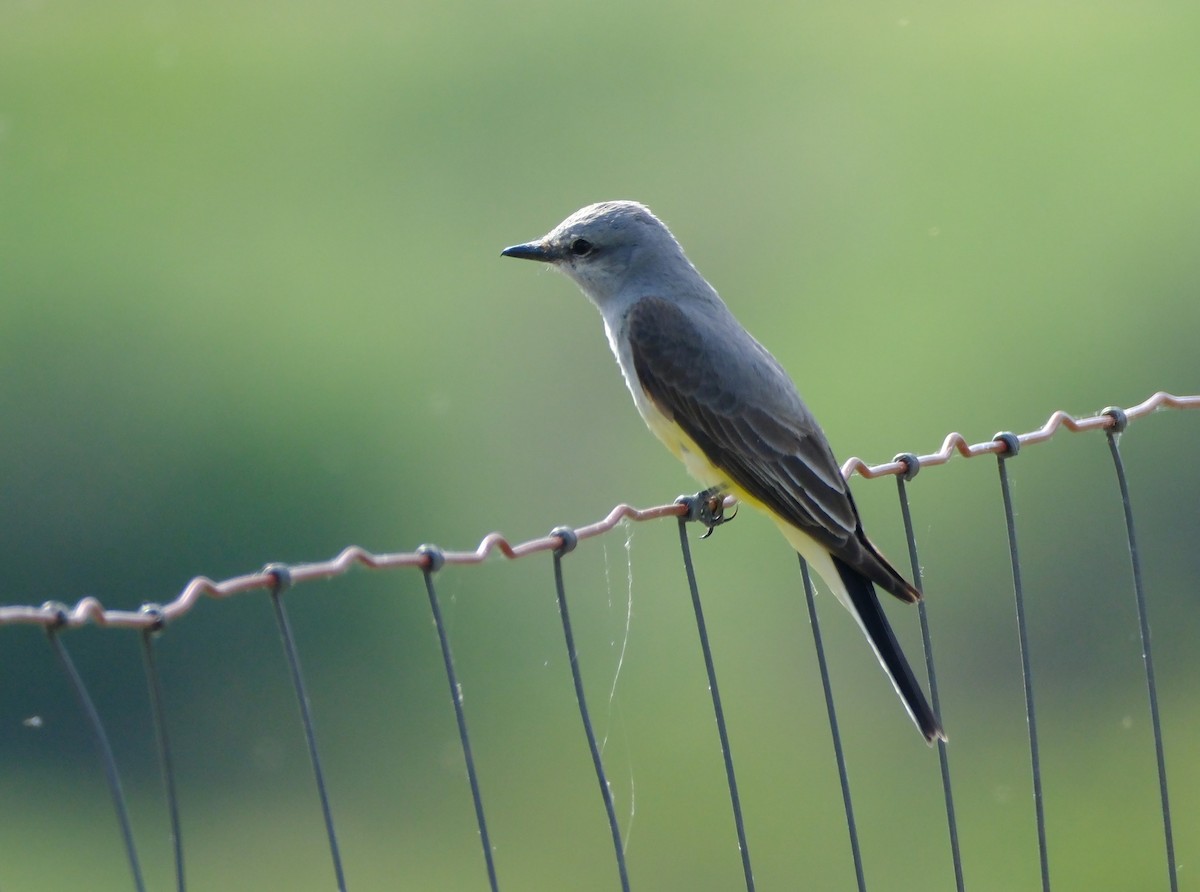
x: 252, y: 309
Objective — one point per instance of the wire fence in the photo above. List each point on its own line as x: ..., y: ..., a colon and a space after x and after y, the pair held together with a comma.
x: 154, y: 619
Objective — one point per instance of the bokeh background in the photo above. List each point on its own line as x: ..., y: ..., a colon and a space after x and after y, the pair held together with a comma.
x: 252, y: 308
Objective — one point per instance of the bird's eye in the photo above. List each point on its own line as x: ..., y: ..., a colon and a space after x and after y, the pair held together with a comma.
x: 581, y: 247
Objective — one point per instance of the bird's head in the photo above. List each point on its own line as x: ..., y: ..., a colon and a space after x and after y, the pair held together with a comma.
x: 605, y: 247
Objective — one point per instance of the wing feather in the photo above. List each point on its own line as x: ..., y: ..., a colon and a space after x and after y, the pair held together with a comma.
x: 731, y: 397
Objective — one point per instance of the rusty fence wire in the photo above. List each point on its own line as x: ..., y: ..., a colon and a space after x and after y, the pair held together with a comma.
x: 153, y: 620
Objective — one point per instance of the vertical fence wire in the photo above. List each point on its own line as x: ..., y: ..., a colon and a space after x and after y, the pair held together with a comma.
x: 163, y: 741
x: 927, y: 644
x: 435, y: 560
x: 569, y: 541
x: 106, y: 754
x: 283, y: 580
x: 1012, y: 444
x: 1119, y: 423
x: 843, y: 777
x: 715, y: 691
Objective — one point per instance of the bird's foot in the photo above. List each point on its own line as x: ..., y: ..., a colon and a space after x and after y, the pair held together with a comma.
x: 708, y: 507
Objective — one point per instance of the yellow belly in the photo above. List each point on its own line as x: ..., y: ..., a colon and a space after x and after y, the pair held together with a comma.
x: 685, y: 449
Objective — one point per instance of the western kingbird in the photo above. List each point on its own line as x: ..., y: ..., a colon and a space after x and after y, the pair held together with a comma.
x: 724, y: 406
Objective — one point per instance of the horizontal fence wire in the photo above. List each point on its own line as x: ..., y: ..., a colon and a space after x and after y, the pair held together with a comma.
x: 152, y: 619
x: 91, y: 610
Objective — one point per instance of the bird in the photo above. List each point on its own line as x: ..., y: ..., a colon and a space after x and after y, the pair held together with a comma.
x: 724, y: 406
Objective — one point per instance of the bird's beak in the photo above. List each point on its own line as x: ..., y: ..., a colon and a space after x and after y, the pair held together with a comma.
x: 530, y: 251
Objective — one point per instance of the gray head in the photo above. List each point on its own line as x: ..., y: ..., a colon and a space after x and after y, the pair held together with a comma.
x: 609, y: 247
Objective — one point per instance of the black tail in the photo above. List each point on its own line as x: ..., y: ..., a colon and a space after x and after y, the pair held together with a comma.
x: 874, y: 623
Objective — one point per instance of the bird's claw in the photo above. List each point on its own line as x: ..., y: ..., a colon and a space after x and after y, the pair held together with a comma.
x: 710, y: 510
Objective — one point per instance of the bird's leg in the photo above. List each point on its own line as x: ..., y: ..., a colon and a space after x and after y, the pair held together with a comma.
x: 710, y: 509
